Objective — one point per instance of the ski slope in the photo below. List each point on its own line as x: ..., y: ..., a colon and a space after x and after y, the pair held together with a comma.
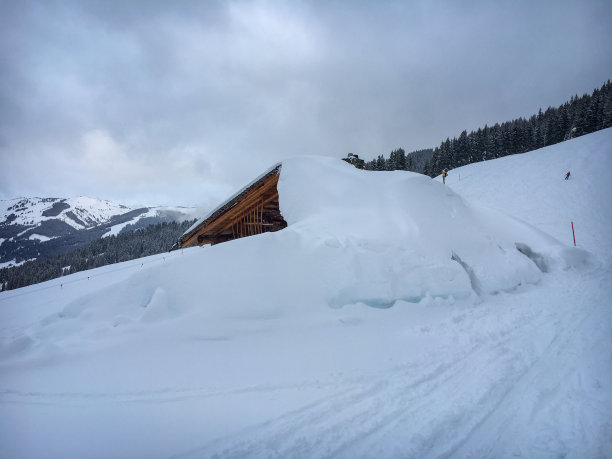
x: 394, y: 317
x: 531, y: 186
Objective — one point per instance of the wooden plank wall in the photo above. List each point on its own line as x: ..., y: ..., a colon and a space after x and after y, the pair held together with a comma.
x: 250, y: 222
x: 254, y: 212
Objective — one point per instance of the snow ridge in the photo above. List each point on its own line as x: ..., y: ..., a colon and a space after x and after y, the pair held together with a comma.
x: 80, y: 213
x: 33, y: 227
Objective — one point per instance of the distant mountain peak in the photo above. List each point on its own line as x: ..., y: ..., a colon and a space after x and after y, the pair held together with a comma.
x: 33, y: 227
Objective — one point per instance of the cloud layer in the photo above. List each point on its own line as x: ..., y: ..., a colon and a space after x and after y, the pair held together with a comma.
x: 181, y: 102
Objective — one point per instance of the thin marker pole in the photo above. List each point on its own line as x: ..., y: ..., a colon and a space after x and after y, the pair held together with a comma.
x: 573, y: 234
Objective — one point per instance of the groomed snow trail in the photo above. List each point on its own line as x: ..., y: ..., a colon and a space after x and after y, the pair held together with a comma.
x: 486, y: 389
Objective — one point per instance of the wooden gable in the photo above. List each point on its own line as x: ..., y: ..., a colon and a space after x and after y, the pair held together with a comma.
x: 253, y: 210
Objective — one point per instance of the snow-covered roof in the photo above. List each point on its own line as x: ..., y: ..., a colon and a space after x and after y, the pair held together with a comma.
x: 232, y: 200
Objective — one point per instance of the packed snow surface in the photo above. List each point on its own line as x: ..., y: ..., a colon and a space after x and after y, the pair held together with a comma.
x: 394, y: 317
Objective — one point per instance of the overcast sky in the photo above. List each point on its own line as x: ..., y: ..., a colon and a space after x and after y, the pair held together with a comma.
x: 182, y: 102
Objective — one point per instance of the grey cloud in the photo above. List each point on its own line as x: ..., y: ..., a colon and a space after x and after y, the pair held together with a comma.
x: 197, y: 97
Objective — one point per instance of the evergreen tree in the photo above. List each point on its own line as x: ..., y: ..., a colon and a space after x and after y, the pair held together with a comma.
x: 126, y: 246
x: 579, y: 116
x: 397, y: 160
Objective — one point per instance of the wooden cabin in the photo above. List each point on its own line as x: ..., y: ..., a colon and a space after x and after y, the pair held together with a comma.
x: 253, y: 210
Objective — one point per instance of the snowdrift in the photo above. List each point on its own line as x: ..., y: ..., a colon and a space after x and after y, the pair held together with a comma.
x: 385, y: 236
x: 354, y: 237
x: 286, y: 345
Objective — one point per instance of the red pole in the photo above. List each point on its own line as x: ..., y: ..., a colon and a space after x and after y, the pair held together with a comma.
x: 573, y: 234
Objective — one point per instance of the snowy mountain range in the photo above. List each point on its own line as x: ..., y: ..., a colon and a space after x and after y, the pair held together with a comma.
x: 39, y: 227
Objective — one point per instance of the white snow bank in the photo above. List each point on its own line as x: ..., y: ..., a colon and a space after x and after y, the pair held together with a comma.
x: 385, y: 236
x: 372, y: 238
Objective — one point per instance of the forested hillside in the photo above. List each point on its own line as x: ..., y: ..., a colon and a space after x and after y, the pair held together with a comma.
x: 35, y: 227
x: 578, y: 116
x: 400, y: 160
x: 108, y: 250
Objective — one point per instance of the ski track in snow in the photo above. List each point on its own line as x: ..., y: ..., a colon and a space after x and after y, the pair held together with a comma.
x: 424, y: 403
x: 422, y: 408
x: 427, y: 406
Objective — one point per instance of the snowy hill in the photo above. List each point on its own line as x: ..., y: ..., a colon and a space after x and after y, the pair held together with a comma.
x: 540, y: 195
x: 394, y: 317
x: 39, y: 227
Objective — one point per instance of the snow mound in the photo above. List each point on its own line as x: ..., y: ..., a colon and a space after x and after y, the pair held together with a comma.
x: 353, y: 237
x: 387, y: 236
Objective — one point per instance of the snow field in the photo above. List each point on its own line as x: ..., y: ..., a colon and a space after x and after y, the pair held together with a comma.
x: 532, y: 186
x: 394, y: 317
